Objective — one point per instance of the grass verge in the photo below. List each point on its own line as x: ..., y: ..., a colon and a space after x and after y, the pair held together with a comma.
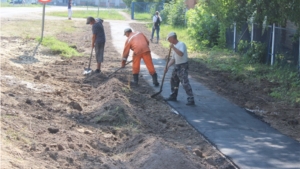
x: 103, y: 14
x: 59, y: 47
x: 285, y: 80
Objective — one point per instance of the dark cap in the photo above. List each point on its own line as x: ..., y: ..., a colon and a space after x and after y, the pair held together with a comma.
x: 127, y: 30
x: 89, y: 20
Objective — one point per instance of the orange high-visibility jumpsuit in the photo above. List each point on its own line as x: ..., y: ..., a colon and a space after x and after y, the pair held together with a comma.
x: 140, y: 45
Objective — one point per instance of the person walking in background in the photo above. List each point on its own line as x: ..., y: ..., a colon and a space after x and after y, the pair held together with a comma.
x: 98, y: 40
x: 138, y: 42
x: 70, y: 9
x: 180, y: 71
x: 156, y: 26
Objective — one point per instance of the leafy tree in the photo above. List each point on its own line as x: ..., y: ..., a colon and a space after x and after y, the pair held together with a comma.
x: 203, y: 27
x: 174, y: 12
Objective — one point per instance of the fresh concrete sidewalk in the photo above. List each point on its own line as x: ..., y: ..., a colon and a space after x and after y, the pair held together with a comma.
x: 249, y: 142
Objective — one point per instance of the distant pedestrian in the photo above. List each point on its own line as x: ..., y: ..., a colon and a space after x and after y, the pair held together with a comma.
x: 138, y: 42
x: 180, y: 71
x: 98, y: 40
x: 70, y: 9
x: 156, y: 26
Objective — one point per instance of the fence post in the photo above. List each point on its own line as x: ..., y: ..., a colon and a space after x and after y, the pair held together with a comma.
x: 252, y: 30
x: 273, y: 45
x: 252, y: 33
x: 299, y: 57
x: 234, y: 35
x: 132, y: 10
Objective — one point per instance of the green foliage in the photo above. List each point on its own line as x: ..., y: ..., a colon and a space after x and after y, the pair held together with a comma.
x: 143, y: 17
x: 203, y: 27
x: 59, y: 47
x: 174, y: 13
x: 222, y: 36
x: 239, y: 11
x: 285, y: 80
x: 128, y: 3
x: 181, y: 32
x: 255, y: 51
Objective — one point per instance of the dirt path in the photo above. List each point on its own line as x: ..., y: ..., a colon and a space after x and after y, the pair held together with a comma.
x: 54, y: 117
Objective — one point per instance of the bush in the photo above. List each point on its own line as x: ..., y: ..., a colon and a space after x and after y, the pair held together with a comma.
x: 203, y: 27
x: 174, y: 13
x: 255, y: 51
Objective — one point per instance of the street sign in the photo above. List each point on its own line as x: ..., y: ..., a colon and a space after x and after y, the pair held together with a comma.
x: 44, y: 1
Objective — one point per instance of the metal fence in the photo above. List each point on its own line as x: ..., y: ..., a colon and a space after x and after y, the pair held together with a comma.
x: 281, y: 45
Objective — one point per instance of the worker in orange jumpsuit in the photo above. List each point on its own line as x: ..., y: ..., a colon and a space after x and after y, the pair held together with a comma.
x: 138, y: 42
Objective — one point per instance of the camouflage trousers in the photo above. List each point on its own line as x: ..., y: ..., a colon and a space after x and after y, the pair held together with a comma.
x: 180, y: 75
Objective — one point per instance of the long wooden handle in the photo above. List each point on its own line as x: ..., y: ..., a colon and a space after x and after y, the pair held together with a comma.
x: 119, y: 68
x: 168, y: 59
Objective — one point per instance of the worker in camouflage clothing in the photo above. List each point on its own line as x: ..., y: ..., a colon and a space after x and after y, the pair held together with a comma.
x: 180, y: 71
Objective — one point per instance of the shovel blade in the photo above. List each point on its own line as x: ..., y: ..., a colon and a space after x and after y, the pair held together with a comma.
x: 87, y: 71
x: 152, y: 96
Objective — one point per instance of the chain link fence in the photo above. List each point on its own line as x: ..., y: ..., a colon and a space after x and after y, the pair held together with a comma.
x: 281, y: 46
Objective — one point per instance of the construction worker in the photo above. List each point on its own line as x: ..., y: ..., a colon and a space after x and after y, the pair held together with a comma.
x: 138, y: 42
x: 180, y: 71
x: 98, y: 40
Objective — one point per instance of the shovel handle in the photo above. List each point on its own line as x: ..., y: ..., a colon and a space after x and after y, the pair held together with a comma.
x: 163, y: 79
x: 119, y: 68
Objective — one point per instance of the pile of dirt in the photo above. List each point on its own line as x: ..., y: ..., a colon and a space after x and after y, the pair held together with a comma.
x: 54, y: 117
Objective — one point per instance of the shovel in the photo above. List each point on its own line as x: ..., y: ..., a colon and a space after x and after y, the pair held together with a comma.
x: 162, y: 81
x: 118, y: 69
x: 88, y: 70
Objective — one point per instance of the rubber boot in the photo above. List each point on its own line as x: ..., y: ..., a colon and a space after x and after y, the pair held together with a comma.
x: 135, y: 79
x: 154, y: 79
x: 190, y: 101
x: 173, y: 96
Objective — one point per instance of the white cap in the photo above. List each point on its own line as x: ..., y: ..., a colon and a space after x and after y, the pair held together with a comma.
x: 127, y: 30
x: 171, y: 34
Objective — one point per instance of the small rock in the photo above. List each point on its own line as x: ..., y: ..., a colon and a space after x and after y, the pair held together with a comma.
x: 28, y: 101
x: 293, y: 122
x: 37, y: 77
x: 71, y: 146
x: 60, y: 147
x: 41, y: 102
x: 198, y: 153
x: 162, y: 120
x: 75, y: 105
x: 53, y: 130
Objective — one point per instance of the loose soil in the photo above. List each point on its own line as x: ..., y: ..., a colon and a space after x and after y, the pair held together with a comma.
x: 54, y: 117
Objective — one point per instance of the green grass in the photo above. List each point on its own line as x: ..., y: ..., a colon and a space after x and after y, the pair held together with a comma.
x: 19, y: 5
x: 59, y: 47
x: 145, y: 17
x: 103, y: 14
x: 182, y: 34
x: 287, y: 80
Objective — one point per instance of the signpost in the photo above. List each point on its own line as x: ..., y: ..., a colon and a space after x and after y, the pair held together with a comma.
x: 44, y: 4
